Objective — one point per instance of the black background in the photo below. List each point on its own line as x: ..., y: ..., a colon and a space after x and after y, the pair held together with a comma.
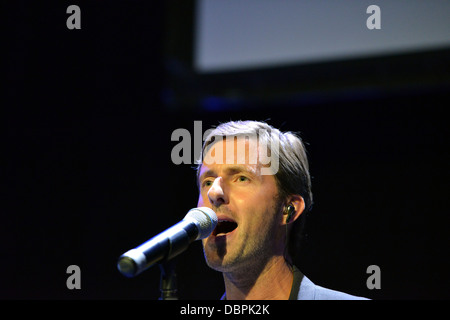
x: 87, y: 171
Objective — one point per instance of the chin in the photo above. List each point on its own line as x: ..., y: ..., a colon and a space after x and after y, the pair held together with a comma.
x: 222, y: 264
x: 216, y: 266
x: 215, y: 261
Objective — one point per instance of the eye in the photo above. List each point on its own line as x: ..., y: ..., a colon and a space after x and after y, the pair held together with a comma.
x: 207, y: 183
x: 242, y: 179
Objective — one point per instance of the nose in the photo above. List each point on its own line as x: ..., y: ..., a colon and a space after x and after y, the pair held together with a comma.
x: 216, y: 194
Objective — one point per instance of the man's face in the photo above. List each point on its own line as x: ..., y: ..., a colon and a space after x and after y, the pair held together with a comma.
x: 246, y: 204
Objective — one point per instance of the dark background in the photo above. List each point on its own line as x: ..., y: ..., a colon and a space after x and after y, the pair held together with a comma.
x: 86, y: 161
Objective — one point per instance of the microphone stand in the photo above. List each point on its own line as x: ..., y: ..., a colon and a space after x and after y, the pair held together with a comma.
x: 168, y: 282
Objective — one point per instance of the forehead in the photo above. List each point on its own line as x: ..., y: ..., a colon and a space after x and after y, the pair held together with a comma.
x: 231, y: 155
x: 249, y: 151
x: 240, y: 150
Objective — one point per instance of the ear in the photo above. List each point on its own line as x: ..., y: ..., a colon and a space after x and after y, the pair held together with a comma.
x: 299, y: 206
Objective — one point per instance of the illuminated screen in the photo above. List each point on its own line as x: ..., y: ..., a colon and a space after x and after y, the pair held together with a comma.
x: 232, y: 35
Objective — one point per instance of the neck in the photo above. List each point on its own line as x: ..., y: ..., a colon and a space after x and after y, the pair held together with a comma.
x: 272, y: 282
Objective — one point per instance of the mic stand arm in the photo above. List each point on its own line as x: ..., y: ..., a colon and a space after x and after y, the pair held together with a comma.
x: 168, y: 282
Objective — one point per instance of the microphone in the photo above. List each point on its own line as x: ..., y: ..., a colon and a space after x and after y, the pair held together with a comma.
x: 198, y: 223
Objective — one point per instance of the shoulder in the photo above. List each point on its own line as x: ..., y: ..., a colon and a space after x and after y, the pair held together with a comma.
x: 310, y: 291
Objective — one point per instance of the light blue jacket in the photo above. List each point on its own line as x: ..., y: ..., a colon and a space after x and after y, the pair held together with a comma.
x: 310, y: 291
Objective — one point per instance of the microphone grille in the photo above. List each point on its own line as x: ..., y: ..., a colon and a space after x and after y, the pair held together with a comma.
x: 205, y: 219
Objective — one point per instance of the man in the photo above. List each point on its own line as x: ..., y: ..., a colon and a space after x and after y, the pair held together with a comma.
x: 256, y: 179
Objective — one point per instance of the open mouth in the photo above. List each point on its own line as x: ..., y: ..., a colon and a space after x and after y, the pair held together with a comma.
x: 223, y: 227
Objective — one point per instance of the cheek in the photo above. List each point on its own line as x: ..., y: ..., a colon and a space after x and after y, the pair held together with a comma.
x: 260, y: 218
x: 264, y: 216
x: 200, y: 202
x: 203, y: 200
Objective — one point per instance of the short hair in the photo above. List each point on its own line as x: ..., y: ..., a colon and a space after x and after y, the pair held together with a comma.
x: 292, y: 177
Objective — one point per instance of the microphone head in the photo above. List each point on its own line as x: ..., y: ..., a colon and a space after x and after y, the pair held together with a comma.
x: 205, y: 219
